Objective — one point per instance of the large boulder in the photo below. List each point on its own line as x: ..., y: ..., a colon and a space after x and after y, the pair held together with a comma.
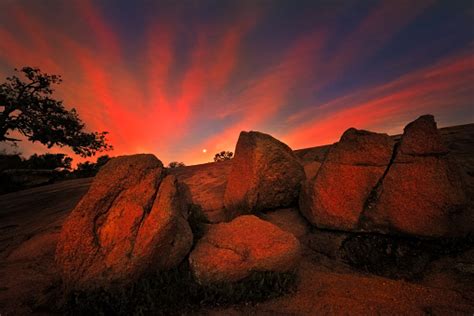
x: 229, y: 252
x: 129, y: 223
x: 335, y: 198
x: 422, y: 193
x: 265, y: 175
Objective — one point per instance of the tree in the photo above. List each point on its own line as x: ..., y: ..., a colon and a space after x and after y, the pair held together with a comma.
x: 175, y: 164
x: 28, y: 108
x: 90, y: 169
x: 101, y: 161
x: 48, y: 161
x: 85, y: 169
x: 223, y: 155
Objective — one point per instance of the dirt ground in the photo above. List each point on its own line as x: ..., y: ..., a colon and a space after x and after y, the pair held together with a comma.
x: 30, y: 221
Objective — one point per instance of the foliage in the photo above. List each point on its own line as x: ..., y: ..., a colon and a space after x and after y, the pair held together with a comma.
x: 27, y: 107
x: 223, y: 156
x: 101, y: 161
x: 48, y: 161
x: 90, y: 169
x: 175, y: 164
x: 8, y: 161
x: 175, y: 292
x: 399, y: 257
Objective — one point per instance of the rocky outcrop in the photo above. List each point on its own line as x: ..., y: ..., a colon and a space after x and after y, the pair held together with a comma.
x: 335, y: 198
x: 229, y: 252
x: 265, y: 175
x: 422, y: 193
x: 130, y: 222
x: 367, y: 184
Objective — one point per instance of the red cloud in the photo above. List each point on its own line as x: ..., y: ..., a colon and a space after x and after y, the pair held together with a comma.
x: 265, y: 97
x: 389, y: 106
x: 147, y: 106
x: 106, y: 38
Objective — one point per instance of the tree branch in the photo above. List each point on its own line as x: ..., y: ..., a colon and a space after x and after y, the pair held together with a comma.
x: 9, y: 139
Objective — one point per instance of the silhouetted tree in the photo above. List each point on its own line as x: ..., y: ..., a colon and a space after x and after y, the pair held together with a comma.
x: 27, y: 107
x: 175, y: 164
x: 85, y: 169
x: 90, y: 169
x: 223, y: 155
x: 101, y: 161
x: 10, y: 161
x: 48, y: 161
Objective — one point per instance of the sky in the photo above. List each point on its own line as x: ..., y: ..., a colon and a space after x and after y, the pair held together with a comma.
x: 173, y: 78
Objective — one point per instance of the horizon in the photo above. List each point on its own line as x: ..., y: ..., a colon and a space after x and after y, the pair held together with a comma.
x: 175, y: 80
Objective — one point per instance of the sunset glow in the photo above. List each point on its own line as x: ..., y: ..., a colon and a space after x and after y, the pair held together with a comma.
x: 182, y: 81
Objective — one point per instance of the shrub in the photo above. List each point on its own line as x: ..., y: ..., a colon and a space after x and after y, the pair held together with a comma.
x: 175, y: 164
x: 223, y: 156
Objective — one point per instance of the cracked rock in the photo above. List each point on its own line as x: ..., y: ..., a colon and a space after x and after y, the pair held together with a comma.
x: 130, y: 222
x: 422, y: 192
x: 335, y: 198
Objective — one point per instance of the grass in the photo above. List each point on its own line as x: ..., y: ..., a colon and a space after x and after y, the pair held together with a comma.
x: 399, y: 257
x: 175, y: 292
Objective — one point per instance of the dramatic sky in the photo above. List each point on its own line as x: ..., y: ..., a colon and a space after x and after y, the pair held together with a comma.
x: 176, y: 77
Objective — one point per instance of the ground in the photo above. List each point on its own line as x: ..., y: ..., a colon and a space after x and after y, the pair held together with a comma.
x: 31, y: 220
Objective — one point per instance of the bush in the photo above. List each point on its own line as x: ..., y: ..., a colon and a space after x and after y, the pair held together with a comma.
x: 90, y: 169
x: 10, y: 161
x: 223, y: 156
x: 48, y: 161
x: 175, y: 164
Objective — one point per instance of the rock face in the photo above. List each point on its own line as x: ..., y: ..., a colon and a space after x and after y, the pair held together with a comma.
x: 130, y: 222
x: 353, y: 166
x: 230, y: 251
x: 422, y: 192
x: 265, y: 175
